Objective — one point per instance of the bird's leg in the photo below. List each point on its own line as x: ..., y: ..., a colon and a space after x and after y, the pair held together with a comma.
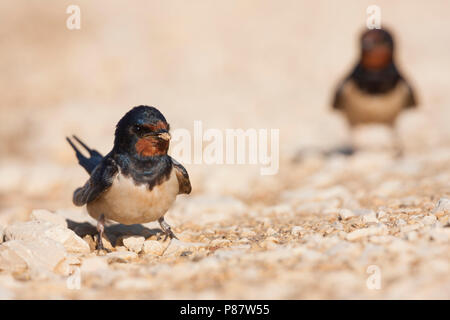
x: 352, y: 141
x: 166, y: 229
x: 101, y: 230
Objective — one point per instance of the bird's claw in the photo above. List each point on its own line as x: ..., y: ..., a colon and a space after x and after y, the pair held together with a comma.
x: 167, y: 230
x: 169, y: 234
x: 100, y: 247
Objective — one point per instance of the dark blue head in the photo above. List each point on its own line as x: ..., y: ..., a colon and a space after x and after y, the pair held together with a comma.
x: 143, y: 131
x: 377, y: 48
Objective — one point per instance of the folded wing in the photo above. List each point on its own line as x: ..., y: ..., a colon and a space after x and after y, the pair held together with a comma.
x: 183, y: 178
x: 101, y: 179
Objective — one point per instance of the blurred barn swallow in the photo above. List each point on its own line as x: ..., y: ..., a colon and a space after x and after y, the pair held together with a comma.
x: 137, y: 181
x: 375, y: 91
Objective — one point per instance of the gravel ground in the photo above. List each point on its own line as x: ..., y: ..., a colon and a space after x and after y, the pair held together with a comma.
x: 327, y: 238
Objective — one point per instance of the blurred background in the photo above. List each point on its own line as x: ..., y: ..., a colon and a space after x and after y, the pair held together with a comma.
x: 238, y: 64
x: 231, y: 64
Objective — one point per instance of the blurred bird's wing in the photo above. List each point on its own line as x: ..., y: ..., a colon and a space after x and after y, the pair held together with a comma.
x: 183, y: 178
x: 90, y: 163
x: 411, y: 101
x: 101, y: 179
x: 338, y: 95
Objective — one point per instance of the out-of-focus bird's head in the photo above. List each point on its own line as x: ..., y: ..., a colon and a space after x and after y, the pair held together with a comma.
x: 142, y: 131
x: 377, y: 48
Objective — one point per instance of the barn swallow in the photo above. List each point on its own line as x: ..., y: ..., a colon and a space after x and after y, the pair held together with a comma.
x: 375, y: 91
x: 137, y: 181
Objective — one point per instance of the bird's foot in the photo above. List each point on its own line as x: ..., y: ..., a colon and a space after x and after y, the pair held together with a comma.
x: 100, y: 248
x: 167, y: 230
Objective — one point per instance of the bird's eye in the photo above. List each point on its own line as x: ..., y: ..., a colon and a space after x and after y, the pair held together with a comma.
x: 137, y: 128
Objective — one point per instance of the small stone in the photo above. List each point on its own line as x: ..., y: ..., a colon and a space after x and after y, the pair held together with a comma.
x: 363, y: 212
x: 442, y: 206
x: 153, y: 247
x: 266, y: 222
x: 410, y: 227
x: 243, y: 240
x: 177, y: 247
x: 66, y: 267
x: 296, y: 230
x: 270, y: 243
x: 72, y: 260
x: 370, y: 218
x: 381, y: 214
x: 45, y: 215
x: 37, y: 255
x: 63, y: 268
x: 381, y: 239
x: 133, y: 243
x: 90, y: 241
x: 220, y: 243
x: 440, y: 235
x: 444, y: 220
x: 412, y: 236
x: 121, y: 248
x: 360, y: 233
x: 121, y: 256
x: 416, y: 217
x: 337, y: 226
x: 36, y: 229
x: 429, y: 220
x: 247, y: 232
x: 270, y: 232
x: 345, y: 214
x: 11, y: 256
x: 75, y: 244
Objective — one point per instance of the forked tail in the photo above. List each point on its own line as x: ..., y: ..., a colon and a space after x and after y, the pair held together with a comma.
x: 87, y: 163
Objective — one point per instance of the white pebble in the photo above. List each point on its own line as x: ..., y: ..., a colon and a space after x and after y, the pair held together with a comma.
x: 428, y: 220
x: 346, y: 214
x: 442, y: 206
x: 121, y: 256
x: 133, y: 243
x: 153, y: 247
x: 296, y: 230
x: 370, y: 218
x: 360, y: 233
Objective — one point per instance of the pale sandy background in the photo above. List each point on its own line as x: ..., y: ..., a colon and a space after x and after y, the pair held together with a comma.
x: 231, y: 64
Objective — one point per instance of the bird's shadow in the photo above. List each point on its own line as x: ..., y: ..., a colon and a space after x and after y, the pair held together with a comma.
x: 344, y: 150
x: 112, y: 232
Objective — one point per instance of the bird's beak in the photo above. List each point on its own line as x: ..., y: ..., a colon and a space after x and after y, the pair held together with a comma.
x: 165, y: 136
